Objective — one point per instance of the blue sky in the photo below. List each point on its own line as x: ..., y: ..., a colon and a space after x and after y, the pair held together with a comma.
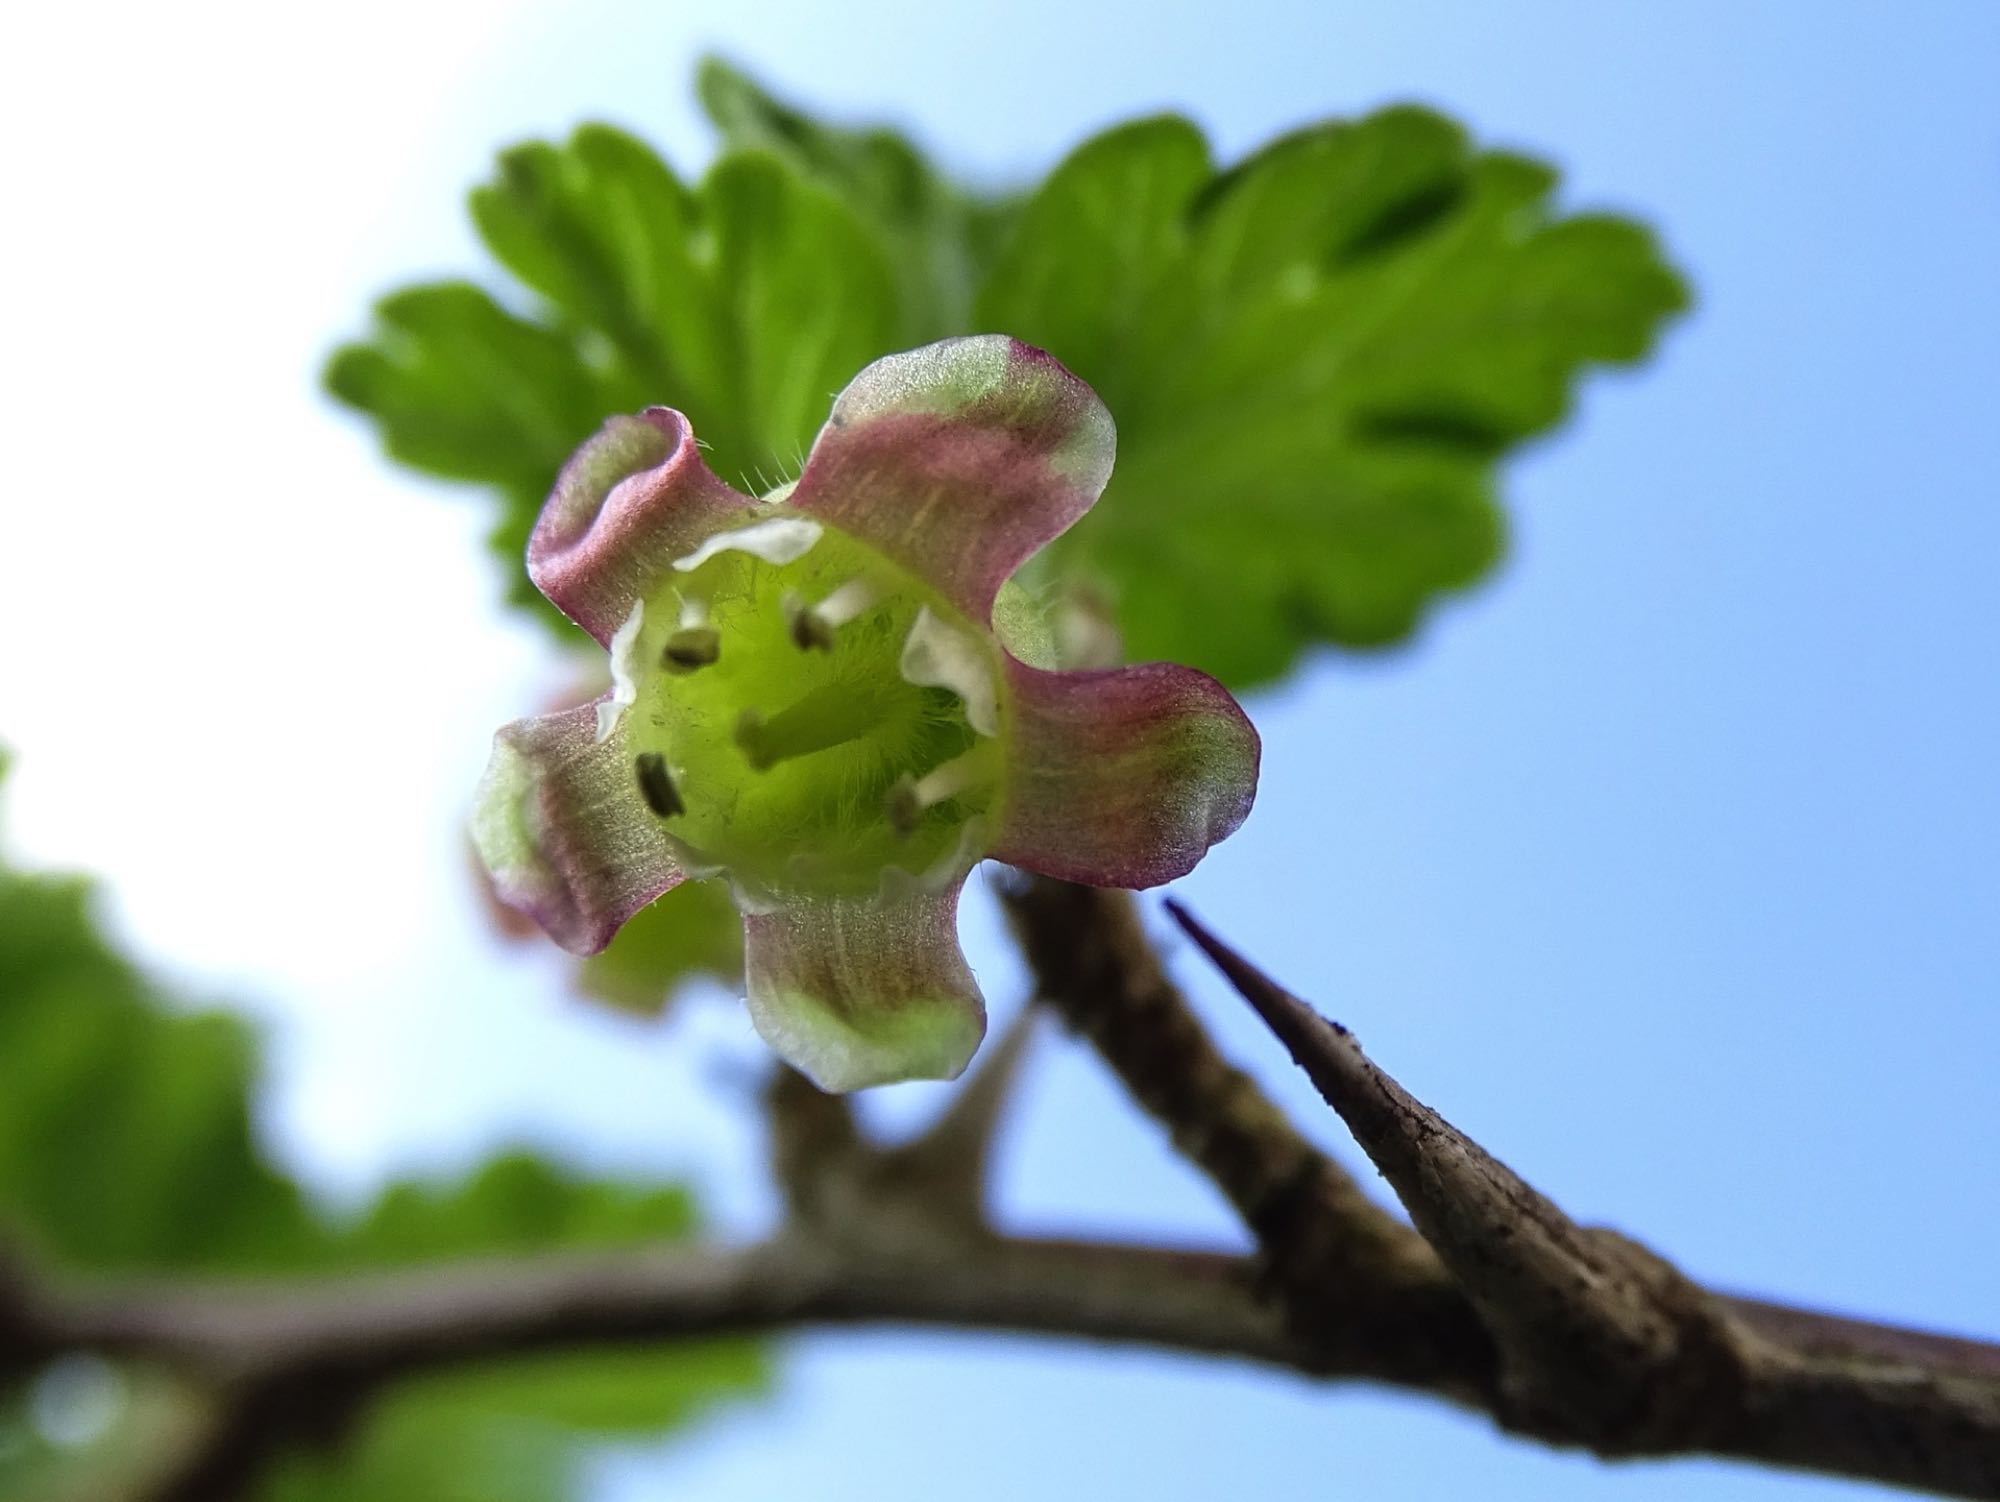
x: 1664, y: 863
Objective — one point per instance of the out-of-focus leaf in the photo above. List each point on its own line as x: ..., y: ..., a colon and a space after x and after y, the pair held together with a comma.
x: 125, y: 1138
x: 941, y: 238
x: 811, y: 299
x: 514, y: 1431
x: 461, y: 388
x: 746, y: 303
x: 1315, y: 360
x: 126, y: 1144
x: 694, y: 930
x: 411, y: 1449
x: 514, y: 1204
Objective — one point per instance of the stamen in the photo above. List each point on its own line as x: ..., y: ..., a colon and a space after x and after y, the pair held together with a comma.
x: 912, y: 797
x: 831, y: 715
x: 691, y: 647
x: 748, y: 736
x: 656, y: 785
x: 812, y: 626
x: 904, y: 808
x: 694, y: 611
x: 809, y: 629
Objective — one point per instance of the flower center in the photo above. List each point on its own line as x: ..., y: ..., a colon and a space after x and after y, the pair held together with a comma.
x: 807, y: 716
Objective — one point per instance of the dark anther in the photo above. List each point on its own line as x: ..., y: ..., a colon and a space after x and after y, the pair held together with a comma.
x: 905, y: 808
x: 810, y: 631
x: 656, y: 786
x: 691, y: 647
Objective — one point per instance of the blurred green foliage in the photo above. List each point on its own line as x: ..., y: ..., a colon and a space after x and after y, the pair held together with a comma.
x: 125, y: 1133
x: 127, y: 1144
x: 750, y: 298
x: 694, y: 930
x: 1316, y: 358
x: 941, y: 239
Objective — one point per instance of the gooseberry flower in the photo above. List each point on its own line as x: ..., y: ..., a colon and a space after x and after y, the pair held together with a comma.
x: 833, y: 698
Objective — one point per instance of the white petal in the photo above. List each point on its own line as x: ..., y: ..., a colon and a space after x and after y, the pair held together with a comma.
x: 624, y: 681
x: 939, y: 656
x: 779, y: 540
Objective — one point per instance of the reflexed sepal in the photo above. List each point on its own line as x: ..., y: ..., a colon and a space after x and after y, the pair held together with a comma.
x: 864, y: 991
x: 959, y: 460
x: 560, y: 824
x: 1122, y: 776
x: 635, y: 497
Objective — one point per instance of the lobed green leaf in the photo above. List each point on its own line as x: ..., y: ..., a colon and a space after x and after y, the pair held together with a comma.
x: 746, y: 302
x: 1315, y: 359
x: 941, y: 239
